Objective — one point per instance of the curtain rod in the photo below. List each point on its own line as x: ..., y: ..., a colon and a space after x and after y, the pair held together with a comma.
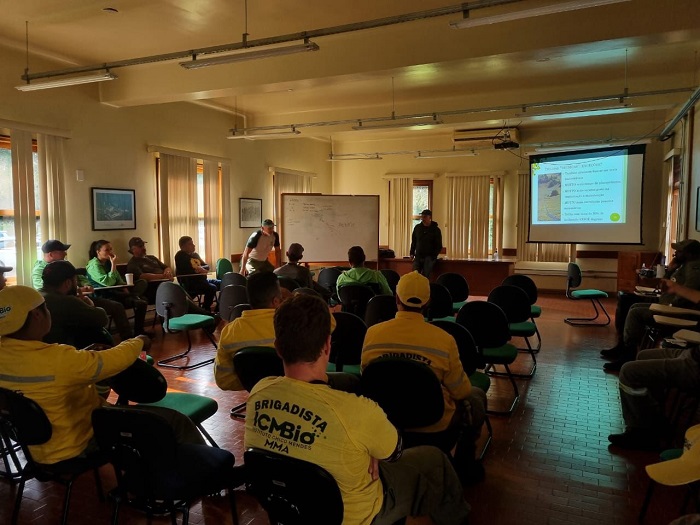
x: 184, y: 153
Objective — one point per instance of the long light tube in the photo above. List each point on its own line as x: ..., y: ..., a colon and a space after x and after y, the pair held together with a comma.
x: 66, y: 81
x: 560, y: 7
x: 250, y: 54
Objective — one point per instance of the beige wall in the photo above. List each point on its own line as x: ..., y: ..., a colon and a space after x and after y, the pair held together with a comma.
x: 109, y: 145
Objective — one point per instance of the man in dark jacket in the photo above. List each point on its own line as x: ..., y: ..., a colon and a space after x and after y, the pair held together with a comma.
x: 426, y: 243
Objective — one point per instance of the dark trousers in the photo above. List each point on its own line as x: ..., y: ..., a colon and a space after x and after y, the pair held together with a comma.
x: 625, y: 300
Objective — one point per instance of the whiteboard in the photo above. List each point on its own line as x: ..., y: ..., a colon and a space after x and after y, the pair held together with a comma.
x: 327, y: 225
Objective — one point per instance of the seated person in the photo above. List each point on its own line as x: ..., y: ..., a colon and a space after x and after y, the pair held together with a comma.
x: 686, y: 271
x: 358, y: 274
x: 188, y: 262
x: 102, y: 271
x: 298, y: 272
x: 55, y: 250
x: 75, y: 320
x: 644, y: 382
x: 411, y: 337
x: 154, y: 271
x: 255, y: 328
x: 421, y: 482
x: 66, y: 391
x: 3, y: 270
x: 258, y: 248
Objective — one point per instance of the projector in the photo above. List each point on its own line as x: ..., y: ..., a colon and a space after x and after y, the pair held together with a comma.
x: 507, y: 145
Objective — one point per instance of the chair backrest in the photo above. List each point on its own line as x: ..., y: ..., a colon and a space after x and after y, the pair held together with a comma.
x: 469, y: 353
x: 238, y: 310
x: 328, y: 277
x: 139, y: 383
x: 27, y: 419
x: 573, y: 276
x: 408, y: 391
x: 525, y: 283
x: 292, y: 491
x: 171, y: 300
x: 347, y: 338
x: 231, y: 296
x: 486, y: 322
x: 233, y: 278
x: 288, y: 283
x: 307, y: 291
x: 513, y: 301
x: 254, y: 363
x: 354, y: 298
x: 223, y: 266
x: 140, y: 444
x: 380, y: 308
x: 392, y: 278
x: 440, y: 304
x: 457, y: 285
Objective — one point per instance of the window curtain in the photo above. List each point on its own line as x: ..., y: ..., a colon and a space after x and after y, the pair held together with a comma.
x: 212, y: 213
x: 287, y: 181
x: 400, y: 215
x: 52, y: 188
x: 178, y: 202
x: 468, y: 216
x: 226, y: 217
x: 547, y: 252
x: 24, y: 204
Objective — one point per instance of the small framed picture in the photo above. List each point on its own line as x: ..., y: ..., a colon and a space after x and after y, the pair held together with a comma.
x: 251, y: 212
x: 113, y: 209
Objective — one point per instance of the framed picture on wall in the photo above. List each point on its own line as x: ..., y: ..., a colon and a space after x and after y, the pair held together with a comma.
x: 113, y: 209
x: 251, y: 212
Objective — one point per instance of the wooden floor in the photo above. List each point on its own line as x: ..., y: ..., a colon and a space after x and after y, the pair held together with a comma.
x: 549, y: 462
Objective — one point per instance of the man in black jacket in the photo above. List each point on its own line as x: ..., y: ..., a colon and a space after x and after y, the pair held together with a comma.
x: 426, y: 243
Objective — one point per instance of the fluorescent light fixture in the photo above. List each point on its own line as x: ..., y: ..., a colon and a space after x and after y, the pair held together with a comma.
x: 581, y: 113
x: 439, y: 153
x: 250, y: 54
x: 596, y: 145
x: 55, y: 82
x: 353, y: 156
x: 393, y: 123
x: 262, y: 135
x: 560, y: 7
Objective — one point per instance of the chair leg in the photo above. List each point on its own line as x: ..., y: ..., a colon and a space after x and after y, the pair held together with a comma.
x: 98, y: 485
x: 588, y: 321
x: 529, y: 350
x: 13, y: 471
x: 18, y: 500
x: 66, y: 501
x: 165, y: 363
x: 489, y: 429
x: 647, y: 499
x: 516, y: 394
x: 232, y: 502
x: 238, y: 411
x: 539, y: 337
x: 206, y: 435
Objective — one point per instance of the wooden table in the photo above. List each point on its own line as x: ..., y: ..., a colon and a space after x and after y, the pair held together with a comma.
x: 483, y: 275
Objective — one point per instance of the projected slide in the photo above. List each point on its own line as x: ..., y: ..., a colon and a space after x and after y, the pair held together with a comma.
x: 580, y: 191
x: 587, y: 197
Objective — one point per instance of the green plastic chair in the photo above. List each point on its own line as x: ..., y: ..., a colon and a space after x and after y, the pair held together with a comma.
x: 573, y: 280
x: 223, y: 266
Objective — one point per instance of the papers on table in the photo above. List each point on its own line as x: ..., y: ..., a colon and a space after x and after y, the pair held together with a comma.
x: 673, y: 310
x: 688, y: 335
x: 646, y: 289
x: 673, y: 321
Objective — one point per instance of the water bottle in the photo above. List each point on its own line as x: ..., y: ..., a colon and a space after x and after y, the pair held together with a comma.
x: 495, y: 255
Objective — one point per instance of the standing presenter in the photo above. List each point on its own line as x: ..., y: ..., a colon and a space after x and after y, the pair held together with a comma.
x: 258, y: 247
x: 426, y: 243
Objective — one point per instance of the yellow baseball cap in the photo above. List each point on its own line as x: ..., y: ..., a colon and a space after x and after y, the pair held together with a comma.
x: 413, y: 289
x: 15, y: 304
x: 683, y: 470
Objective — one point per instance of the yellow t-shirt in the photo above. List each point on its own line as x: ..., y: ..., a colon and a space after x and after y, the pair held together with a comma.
x: 408, y: 335
x: 253, y: 328
x: 335, y: 430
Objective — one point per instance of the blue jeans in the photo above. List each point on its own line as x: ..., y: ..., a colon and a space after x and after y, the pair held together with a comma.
x: 424, y: 265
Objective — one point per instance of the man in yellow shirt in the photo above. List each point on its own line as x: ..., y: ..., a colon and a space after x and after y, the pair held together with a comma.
x: 301, y: 416
x: 409, y: 336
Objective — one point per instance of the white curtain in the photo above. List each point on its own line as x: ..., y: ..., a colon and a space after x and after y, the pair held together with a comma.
x: 178, y: 202
x: 24, y: 204
x: 287, y: 181
x: 226, y: 215
x: 52, y: 184
x: 212, y: 215
x: 548, y: 252
x: 468, y: 216
x: 400, y: 215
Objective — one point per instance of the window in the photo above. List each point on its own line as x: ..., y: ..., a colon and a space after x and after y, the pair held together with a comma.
x: 8, y: 228
x: 422, y: 198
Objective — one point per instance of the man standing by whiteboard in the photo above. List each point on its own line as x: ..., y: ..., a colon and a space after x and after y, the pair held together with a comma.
x: 426, y: 243
x: 258, y: 247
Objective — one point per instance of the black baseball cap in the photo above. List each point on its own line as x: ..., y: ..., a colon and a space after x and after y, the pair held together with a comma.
x: 4, y: 268
x: 426, y: 212
x: 268, y: 222
x: 54, y: 245
x: 56, y: 272
x: 136, y: 241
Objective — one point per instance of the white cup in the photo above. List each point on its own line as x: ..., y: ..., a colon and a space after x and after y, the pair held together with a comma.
x: 129, y: 279
x: 660, y: 270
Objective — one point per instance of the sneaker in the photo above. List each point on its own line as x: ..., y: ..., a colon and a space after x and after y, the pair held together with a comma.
x: 614, y: 352
x: 615, y: 366
x: 635, y: 439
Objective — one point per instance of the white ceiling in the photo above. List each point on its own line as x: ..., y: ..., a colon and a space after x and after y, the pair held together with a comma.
x: 641, y: 45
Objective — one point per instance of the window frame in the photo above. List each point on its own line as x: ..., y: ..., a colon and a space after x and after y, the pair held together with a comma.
x: 421, y: 183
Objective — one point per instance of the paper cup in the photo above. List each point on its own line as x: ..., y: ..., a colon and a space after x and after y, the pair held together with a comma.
x: 129, y: 279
